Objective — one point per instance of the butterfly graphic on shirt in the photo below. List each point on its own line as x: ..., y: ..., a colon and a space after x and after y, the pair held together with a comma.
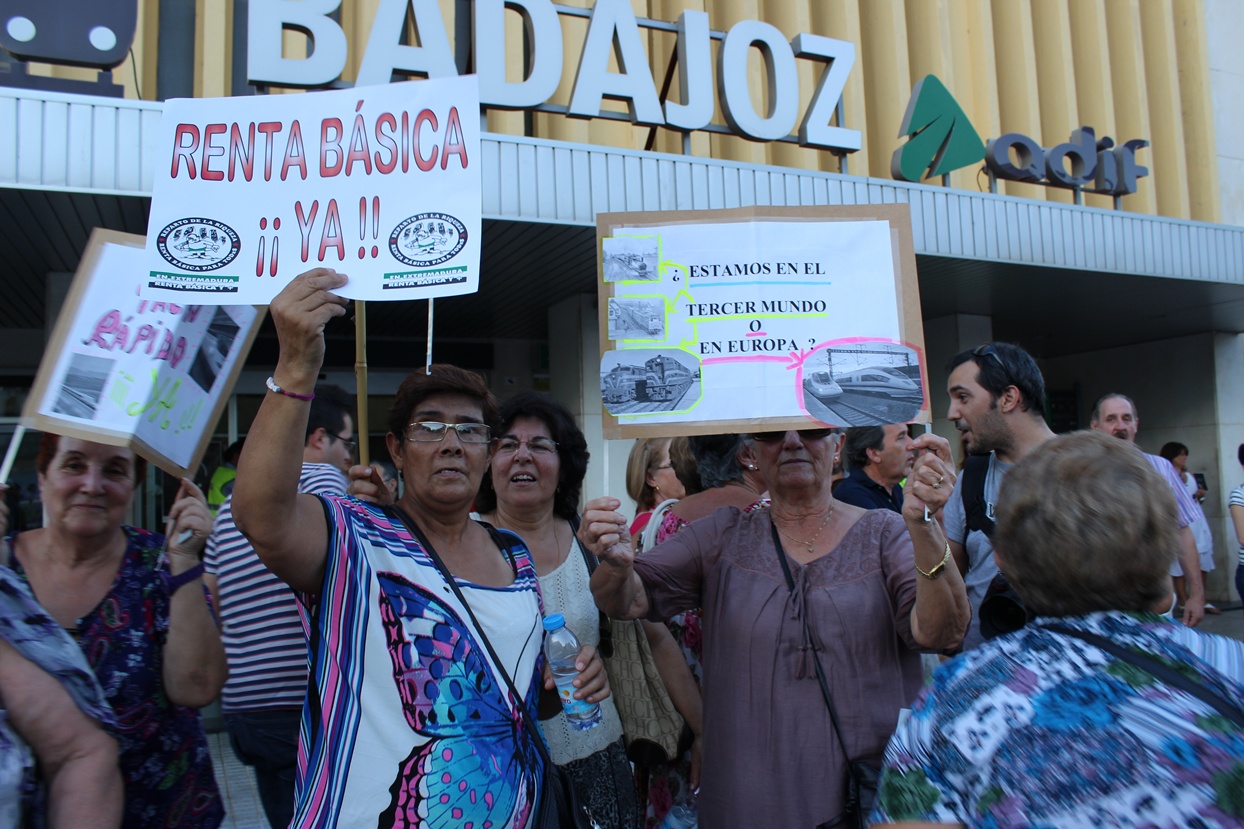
x: 464, y: 776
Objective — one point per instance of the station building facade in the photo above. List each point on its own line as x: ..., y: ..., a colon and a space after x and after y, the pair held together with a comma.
x: 1119, y: 263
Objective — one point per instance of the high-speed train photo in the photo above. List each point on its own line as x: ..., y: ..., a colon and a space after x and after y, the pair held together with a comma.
x: 881, y: 380
x: 821, y: 386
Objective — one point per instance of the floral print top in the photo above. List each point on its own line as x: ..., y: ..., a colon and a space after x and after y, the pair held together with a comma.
x: 165, y: 759
x: 1044, y: 729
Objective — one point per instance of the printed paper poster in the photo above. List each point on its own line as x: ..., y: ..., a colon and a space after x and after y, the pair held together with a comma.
x: 743, y: 320
x: 381, y: 183
x: 128, y: 368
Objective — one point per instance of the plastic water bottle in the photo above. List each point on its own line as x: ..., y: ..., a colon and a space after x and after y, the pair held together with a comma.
x: 561, y: 647
x: 682, y: 816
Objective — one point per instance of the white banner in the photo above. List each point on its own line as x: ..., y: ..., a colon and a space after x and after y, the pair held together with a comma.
x: 128, y: 368
x: 381, y: 183
x: 729, y: 324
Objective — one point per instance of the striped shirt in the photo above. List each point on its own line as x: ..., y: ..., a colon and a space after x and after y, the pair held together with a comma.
x: 260, y: 624
x: 1188, y: 510
x: 1237, y: 500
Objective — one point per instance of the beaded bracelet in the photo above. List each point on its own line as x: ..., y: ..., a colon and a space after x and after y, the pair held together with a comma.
x: 273, y: 387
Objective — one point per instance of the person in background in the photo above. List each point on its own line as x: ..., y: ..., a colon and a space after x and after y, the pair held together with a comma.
x: 409, y: 721
x: 58, y: 764
x: 879, y: 457
x: 1235, y: 505
x: 260, y: 626
x: 135, y: 602
x: 1177, y: 454
x: 392, y: 481
x: 727, y: 469
x: 221, y: 485
x: 1058, y: 724
x: 803, y: 582
x: 685, y: 466
x: 1116, y: 415
x: 650, y: 479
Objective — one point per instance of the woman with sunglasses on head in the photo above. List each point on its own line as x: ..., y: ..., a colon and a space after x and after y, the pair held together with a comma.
x: 421, y: 619
x: 808, y: 591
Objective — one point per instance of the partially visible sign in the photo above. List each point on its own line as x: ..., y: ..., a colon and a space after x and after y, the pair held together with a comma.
x: 381, y: 183
x: 759, y: 318
x: 127, y: 368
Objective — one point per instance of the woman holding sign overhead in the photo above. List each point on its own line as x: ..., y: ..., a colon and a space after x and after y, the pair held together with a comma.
x: 136, y: 605
x: 807, y: 604
x: 425, y: 625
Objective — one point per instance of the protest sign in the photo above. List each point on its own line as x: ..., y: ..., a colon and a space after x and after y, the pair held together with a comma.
x: 381, y: 183
x: 126, y: 369
x: 758, y: 319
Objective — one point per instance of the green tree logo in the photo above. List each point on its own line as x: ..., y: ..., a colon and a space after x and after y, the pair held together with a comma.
x: 941, y: 138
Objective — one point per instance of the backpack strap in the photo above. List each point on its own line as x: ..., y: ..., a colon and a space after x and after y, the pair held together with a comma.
x: 972, y: 484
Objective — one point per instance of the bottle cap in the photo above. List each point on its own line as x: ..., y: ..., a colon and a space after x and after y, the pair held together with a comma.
x: 554, y: 621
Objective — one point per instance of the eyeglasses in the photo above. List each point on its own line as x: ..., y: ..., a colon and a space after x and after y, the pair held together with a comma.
x: 351, y: 445
x: 537, y: 445
x: 805, y: 434
x: 664, y: 466
x: 987, y: 350
x: 431, y: 431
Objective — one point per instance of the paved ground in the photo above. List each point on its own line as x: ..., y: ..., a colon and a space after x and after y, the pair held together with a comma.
x: 237, y: 782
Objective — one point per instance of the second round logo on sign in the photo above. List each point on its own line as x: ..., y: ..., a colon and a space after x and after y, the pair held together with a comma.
x: 197, y: 244
x: 427, y: 239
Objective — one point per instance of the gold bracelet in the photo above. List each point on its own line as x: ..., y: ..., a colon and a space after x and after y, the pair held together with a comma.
x: 938, y: 568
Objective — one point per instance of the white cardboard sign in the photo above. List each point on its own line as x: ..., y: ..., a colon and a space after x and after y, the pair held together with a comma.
x: 759, y: 318
x: 127, y: 368
x: 381, y: 183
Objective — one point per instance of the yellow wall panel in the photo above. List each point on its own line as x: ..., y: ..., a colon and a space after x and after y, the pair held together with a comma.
x: 1051, y: 33
x: 1131, y: 103
x: 1198, y: 118
x: 840, y: 19
x: 1168, y: 173
x: 1018, y: 100
x: 887, y: 79
x: 975, y: 76
x: 1094, y: 84
x: 931, y: 50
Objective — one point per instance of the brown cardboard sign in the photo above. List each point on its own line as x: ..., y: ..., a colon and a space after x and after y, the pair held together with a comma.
x: 132, y: 370
x: 758, y: 319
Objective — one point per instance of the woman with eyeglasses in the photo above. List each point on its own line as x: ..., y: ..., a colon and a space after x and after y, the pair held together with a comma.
x: 805, y: 600
x: 409, y: 718
x: 650, y: 480
x: 539, y: 460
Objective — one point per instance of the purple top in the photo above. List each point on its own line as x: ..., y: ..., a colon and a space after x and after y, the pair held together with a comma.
x: 763, y: 707
x: 164, y: 755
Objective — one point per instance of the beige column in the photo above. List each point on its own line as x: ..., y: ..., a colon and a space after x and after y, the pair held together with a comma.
x: 1018, y: 98
x: 931, y: 51
x: 793, y: 17
x: 1094, y: 81
x: 1131, y: 102
x: 840, y: 19
x: 722, y: 15
x: 1188, y: 23
x: 1051, y: 31
x: 1169, y: 170
x: 887, y: 79
x: 975, y: 74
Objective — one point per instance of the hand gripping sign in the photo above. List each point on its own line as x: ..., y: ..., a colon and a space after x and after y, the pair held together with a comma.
x: 380, y: 182
x: 127, y: 368
x: 758, y: 319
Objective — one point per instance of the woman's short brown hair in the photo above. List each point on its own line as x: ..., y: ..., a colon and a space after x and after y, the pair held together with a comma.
x: 1085, y: 523
x: 419, y: 385
x: 49, y: 443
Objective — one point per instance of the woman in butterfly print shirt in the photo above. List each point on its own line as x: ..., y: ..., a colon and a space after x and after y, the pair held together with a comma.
x: 408, y: 722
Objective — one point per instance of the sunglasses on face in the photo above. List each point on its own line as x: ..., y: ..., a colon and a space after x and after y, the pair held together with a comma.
x: 804, y: 435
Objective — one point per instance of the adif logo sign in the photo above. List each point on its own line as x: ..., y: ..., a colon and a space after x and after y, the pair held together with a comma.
x: 941, y: 139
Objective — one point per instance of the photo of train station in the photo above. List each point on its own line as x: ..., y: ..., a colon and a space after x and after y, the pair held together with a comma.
x: 1043, y: 244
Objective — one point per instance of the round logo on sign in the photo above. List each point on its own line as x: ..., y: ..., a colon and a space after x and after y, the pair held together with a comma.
x: 427, y: 239
x: 198, y: 244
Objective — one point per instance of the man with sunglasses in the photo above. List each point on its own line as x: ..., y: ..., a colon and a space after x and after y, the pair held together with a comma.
x: 264, y: 642
x: 997, y: 402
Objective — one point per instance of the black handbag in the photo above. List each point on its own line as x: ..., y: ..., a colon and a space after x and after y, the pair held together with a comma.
x: 862, y: 777
x: 558, y: 804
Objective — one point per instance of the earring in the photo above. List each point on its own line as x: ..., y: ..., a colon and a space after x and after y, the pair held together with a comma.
x: 751, y: 466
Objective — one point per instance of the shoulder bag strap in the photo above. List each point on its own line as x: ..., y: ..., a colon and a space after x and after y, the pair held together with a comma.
x: 528, y: 720
x: 816, y: 659
x: 972, y: 482
x: 1152, y: 666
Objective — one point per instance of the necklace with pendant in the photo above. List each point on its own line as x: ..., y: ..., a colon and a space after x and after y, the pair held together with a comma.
x: 824, y: 524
